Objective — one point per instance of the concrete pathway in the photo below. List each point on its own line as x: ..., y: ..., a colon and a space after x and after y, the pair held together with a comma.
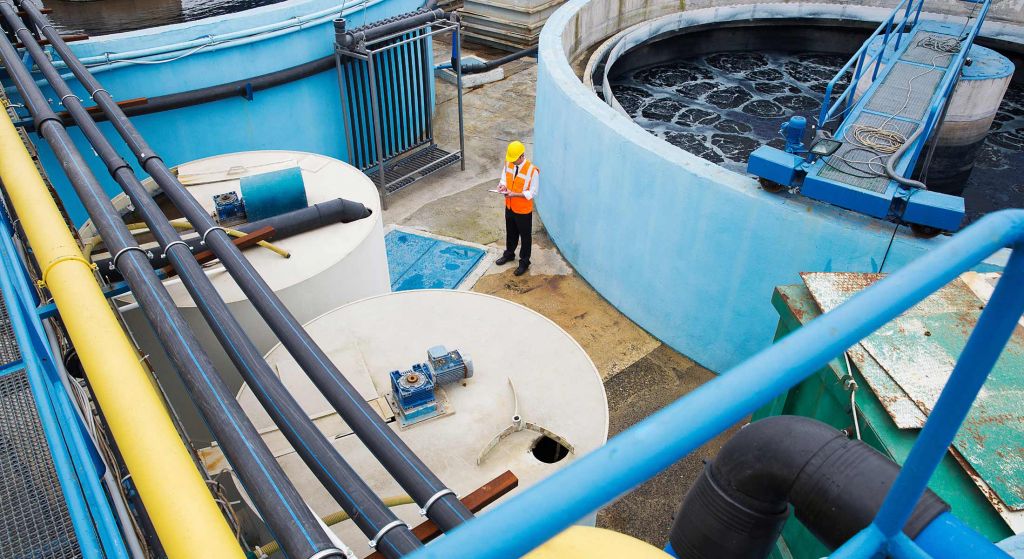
x: 641, y: 374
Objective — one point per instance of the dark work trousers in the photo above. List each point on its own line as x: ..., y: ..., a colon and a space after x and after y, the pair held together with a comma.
x: 518, y: 226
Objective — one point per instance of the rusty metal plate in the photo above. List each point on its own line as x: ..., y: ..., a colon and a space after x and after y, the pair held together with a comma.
x: 903, y: 411
x: 918, y: 351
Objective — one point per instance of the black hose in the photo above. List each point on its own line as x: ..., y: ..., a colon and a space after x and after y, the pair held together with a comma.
x: 285, y: 225
x: 476, y: 67
x: 835, y: 485
x: 408, y: 470
x: 348, y: 489
x: 286, y: 514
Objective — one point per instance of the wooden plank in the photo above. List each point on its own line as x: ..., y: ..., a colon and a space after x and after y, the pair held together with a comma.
x: 95, y: 110
x: 66, y: 38
x: 261, y: 234
x: 475, y: 501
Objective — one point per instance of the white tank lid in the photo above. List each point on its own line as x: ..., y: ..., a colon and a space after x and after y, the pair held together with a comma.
x: 557, y: 384
x: 313, y: 252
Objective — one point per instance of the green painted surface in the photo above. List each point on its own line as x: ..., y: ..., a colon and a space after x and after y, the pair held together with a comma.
x: 823, y: 397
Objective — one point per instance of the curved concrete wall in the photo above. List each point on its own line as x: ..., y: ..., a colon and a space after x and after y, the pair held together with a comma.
x: 304, y: 115
x: 688, y: 250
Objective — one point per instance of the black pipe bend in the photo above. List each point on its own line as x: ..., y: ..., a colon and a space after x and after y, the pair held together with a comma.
x: 835, y: 485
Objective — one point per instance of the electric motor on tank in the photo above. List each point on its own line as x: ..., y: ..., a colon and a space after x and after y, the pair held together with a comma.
x: 508, y: 410
x: 324, y: 218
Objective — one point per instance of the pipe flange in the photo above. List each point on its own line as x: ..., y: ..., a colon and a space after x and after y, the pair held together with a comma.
x: 207, y: 232
x: 70, y: 95
x: 163, y: 255
x: 113, y: 261
x: 434, y: 498
x: 383, y: 531
x: 329, y: 552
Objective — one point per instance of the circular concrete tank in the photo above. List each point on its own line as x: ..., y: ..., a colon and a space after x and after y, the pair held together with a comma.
x: 696, y: 250
x: 557, y: 385
x: 328, y: 267
x: 969, y: 115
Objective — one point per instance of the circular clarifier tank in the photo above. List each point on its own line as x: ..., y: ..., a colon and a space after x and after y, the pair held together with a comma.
x: 327, y: 267
x: 557, y: 386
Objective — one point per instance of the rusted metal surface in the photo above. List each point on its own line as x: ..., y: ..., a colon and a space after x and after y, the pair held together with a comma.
x: 917, y: 352
x: 475, y: 501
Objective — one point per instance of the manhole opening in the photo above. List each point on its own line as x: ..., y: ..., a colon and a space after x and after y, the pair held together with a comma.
x: 549, y: 450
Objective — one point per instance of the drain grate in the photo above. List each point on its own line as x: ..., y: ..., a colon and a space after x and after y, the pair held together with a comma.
x: 9, y: 352
x: 407, y: 170
x: 34, y: 519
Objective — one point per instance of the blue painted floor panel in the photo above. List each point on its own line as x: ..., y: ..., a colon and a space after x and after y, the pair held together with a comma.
x: 418, y: 262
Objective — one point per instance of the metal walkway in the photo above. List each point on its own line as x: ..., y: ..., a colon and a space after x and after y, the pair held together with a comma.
x: 909, y: 92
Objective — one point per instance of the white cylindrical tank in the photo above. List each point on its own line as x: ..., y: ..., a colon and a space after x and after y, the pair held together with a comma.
x: 557, y: 385
x: 328, y: 267
x: 970, y: 112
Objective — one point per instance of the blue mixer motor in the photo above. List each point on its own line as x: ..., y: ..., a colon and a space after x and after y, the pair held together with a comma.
x: 414, y: 390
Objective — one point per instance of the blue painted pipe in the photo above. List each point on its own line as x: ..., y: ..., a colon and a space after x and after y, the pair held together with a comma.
x: 948, y: 538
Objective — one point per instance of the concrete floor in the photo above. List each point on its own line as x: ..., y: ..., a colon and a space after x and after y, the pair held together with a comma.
x: 641, y: 374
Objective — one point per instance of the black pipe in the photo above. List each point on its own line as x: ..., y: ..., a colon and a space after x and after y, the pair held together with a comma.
x: 285, y: 225
x: 440, y: 503
x: 286, y: 514
x: 477, y: 67
x: 738, y: 505
x: 348, y: 489
x: 357, y: 38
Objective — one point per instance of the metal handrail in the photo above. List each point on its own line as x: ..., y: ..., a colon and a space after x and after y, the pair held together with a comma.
x: 828, y: 109
x: 634, y: 456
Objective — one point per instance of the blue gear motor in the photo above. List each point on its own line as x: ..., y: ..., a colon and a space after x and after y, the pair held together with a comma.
x: 413, y: 391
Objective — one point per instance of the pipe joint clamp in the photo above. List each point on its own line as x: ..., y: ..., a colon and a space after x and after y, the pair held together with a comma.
x: 383, y: 531
x: 163, y: 255
x: 66, y: 258
x: 434, y: 498
x: 207, y: 232
x: 113, y: 261
x: 70, y: 95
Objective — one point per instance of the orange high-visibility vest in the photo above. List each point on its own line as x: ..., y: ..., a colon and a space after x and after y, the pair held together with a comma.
x: 515, y: 183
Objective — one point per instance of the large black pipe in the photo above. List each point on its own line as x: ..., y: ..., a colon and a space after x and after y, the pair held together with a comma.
x: 835, y: 485
x: 285, y: 225
x: 477, y: 67
x: 286, y: 514
x: 341, y: 481
x: 357, y: 38
x: 439, y: 503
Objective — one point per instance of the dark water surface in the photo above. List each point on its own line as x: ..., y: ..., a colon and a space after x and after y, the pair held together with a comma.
x: 723, y: 106
x: 102, y: 17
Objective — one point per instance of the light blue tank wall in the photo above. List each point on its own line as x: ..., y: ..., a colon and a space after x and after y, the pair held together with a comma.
x: 688, y: 250
x: 304, y: 115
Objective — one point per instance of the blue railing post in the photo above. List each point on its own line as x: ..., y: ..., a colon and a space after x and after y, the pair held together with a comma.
x: 995, y: 326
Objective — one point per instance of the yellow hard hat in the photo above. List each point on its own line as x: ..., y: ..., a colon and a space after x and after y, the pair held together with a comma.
x: 515, y: 149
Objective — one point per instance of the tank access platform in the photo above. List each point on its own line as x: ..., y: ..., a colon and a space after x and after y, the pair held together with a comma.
x: 865, y: 163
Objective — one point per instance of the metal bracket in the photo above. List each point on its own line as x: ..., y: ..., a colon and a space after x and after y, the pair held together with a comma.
x: 518, y: 424
x: 383, y: 531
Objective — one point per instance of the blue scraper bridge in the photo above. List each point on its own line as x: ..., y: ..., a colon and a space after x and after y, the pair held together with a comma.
x: 865, y: 163
x: 528, y: 519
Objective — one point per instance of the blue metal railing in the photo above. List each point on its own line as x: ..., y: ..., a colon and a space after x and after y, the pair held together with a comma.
x: 863, y: 61
x: 528, y: 519
x: 72, y: 452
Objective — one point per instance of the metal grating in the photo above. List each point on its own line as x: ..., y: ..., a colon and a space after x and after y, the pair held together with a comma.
x: 408, y: 170
x: 906, y: 91
x: 924, y: 55
x: 860, y: 174
x: 34, y: 519
x: 9, y: 351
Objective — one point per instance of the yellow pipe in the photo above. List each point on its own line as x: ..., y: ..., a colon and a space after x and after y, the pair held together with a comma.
x: 183, y: 512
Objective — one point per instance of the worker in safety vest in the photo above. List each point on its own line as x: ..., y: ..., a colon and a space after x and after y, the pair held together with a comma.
x: 519, y: 182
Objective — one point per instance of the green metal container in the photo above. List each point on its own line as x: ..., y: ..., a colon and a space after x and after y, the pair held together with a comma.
x: 823, y: 397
